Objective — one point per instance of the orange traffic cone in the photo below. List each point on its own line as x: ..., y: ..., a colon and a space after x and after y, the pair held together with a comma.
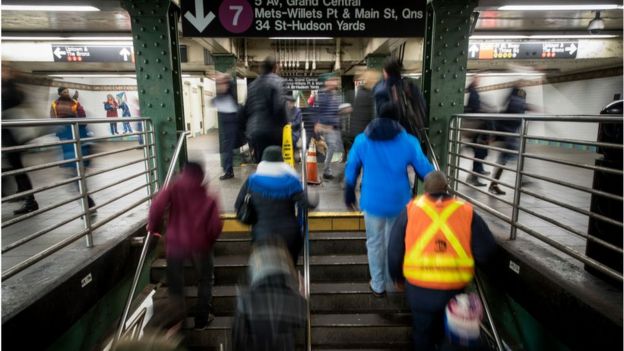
x: 311, y: 166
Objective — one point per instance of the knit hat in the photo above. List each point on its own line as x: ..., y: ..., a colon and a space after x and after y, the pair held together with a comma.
x: 272, y: 154
x: 326, y: 76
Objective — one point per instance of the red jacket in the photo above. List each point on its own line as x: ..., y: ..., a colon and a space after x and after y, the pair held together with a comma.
x: 194, y: 223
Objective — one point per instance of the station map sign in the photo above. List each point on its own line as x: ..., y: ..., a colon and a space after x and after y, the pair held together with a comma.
x: 303, y: 18
x: 82, y: 53
x: 515, y: 51
x: 302, y: 83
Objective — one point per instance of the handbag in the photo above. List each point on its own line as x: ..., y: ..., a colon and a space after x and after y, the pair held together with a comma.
x: 246, y: 213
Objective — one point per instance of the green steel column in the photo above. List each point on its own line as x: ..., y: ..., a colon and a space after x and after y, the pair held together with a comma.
x: 444, y: 67
x: 157, y: 53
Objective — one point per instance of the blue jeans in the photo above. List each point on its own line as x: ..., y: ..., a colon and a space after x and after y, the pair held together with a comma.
x: 127, y: 128
x: 377, y: 237
x: 334, y: 143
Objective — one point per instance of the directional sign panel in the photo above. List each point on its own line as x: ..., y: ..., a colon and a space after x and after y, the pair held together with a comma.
x: 302, y: 83
x: 303, y: 18
x: 77, y: 53
x: 522, y: 50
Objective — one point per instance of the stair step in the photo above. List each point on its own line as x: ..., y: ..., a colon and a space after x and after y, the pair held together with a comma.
x: 326, y: 298
x: 355, y: 331
x: 232, y: 269
x: 320, y: 244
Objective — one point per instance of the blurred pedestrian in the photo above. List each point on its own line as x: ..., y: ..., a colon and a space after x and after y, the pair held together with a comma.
x: 66, y: 107
x: 13, y: 108
x: 363, y: 107
x: 265, y: 109
x: 271, y: 309
x: 383, y: 153
x: 294, y: 118
x: 125, y: 111
x: 192, y: 230
x: 434, y: 245
x: 475, y: 105
x: 516, y: 104
x: 328, y: 120
x: 111, y: 106
x: 227, y: 111
x: 275, y: 189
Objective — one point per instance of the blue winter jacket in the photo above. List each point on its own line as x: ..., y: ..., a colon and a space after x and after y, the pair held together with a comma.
x: 383, y: 152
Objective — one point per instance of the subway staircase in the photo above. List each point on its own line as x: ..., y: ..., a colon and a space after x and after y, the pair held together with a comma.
x: 344, y: 313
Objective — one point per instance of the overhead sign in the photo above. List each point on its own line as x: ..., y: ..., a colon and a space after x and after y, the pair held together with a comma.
x: 520, y: 50
x: 79, y: 53
x: 303, y: 18
x: 302, y: 83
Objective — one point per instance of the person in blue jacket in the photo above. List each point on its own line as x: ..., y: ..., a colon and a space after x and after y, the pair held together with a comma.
x: 383, y: 152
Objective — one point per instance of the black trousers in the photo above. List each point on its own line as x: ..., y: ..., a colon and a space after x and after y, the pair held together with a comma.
x: 15, y: 161
x: 204, y: 268
x: 262, y: 140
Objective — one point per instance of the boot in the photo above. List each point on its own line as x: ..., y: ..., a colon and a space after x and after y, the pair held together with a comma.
x: 473, y: 180
x: 29, y: 206
x: 494, y: 189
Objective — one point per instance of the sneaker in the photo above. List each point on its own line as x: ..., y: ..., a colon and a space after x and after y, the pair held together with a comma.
x: 328, y: 176
x: 226, y: 176
x: 494, y: 189
x: 29, y: 206
x: 204, y: 325
x: 376, y: 294
x: 473, y: 180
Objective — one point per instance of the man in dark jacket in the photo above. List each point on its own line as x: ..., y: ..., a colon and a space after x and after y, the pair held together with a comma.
x: 363, y: 107
x: 193, y: 228
x: 475, y: 105
x: 265, y: 109
x: 434, y: 245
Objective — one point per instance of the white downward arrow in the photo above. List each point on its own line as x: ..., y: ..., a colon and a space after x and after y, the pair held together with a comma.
x: 198, y: 20
x: 473, y: 50
x: 125, y: 53
x: 571, y: 49
x: 58, y: 53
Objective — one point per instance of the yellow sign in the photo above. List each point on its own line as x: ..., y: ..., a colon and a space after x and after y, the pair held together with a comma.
x: 288, y: 152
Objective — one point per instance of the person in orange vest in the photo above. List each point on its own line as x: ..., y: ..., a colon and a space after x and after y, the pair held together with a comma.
x: 434, y: 245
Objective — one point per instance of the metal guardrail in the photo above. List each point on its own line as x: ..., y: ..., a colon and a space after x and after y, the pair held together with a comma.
x: 550, y: 176
x: 69, y: 130
x: 146, y: 242
x: 306, y: 237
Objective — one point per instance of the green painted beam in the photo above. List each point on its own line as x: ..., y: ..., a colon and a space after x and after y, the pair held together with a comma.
x: 444, y: 67
x: 375, y: 61
x: 157, y: 59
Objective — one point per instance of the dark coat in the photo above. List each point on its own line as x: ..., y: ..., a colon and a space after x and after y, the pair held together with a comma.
x: 265, y: 108
x: 363, y: 112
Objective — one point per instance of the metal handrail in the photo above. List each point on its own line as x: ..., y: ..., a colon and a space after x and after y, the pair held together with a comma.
x: 520, y: 172
x: 146, y: 242
x: 81, y: 176
x: 305, y: 231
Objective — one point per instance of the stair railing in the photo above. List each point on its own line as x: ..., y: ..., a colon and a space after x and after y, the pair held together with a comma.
x: 146, y: 242
x: 477, y: 280
x: 305, y: 232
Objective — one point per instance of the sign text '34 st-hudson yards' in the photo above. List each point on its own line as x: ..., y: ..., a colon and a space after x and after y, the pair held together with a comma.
x: 303, y: 18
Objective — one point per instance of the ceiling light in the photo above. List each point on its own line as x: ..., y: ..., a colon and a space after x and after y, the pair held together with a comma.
x: 593, y: 7
x: 544, y: 36
x: 48, y: 8
x: 596, y: 25
x: 51, y: 38
x: 505, y: 74
x: 295, y: 38
x: 89, y: 75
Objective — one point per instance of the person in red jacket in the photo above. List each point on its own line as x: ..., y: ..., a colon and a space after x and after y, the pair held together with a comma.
x: 193, y: 228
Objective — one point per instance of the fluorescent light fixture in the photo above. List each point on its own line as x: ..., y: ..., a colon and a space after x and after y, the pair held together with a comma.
x: 51, y: 38
x: 592, y: 7
x: 296, y: 38
x: 92, y: 75
x: 49, y: 8
x: 545, y: 36
x: 507, y: 74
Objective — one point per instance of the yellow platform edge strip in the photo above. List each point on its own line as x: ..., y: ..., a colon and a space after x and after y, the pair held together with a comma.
x: 318, y: 221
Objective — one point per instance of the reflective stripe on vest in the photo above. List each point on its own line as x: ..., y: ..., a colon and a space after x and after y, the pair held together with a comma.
x: 438, y: 255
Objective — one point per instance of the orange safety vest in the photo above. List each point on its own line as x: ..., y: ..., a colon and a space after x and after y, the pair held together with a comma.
x: 74, y: 107
x: 437, y: 244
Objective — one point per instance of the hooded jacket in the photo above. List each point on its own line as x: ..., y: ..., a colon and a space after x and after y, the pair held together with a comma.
x: 194, y: 223
x: 384, y: 151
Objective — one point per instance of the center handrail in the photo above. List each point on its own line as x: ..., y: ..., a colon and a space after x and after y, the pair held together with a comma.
x: 306, y: 236
x: 146, y: 242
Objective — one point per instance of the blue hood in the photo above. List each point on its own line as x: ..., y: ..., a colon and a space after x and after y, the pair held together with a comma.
x: 383, y: 129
